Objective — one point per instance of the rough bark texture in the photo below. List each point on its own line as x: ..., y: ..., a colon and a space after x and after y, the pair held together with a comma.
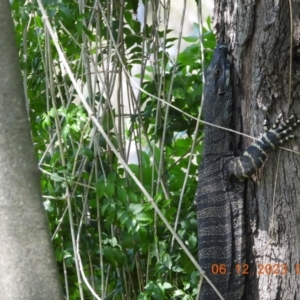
x: 27, y: 264
x: 259, y: 34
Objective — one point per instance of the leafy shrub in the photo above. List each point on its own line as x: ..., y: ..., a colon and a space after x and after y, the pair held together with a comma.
x: 93, y: 205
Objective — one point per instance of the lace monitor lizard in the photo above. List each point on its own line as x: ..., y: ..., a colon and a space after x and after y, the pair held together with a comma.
x: 220, y: 193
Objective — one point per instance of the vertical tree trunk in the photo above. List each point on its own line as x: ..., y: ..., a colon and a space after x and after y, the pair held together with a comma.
x: 27, y: 263
x: 259, y: 33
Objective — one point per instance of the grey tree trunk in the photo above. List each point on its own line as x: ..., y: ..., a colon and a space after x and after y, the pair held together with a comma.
x: 259, y: 33
x: 27, y: 264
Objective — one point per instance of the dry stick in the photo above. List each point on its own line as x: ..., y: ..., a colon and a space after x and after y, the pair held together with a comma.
x: 192, y: 150
x: 155, y: 20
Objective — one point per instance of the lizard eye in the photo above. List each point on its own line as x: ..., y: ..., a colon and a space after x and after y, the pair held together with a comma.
x: 217, y: 73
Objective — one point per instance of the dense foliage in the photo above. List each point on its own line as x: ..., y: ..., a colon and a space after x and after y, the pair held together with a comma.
x: 93, y: 205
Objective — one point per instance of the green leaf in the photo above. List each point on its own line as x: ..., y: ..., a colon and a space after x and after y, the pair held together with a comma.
x: 113, y: 241
x: 87, y: 152
x: 187, y: 285
x: 124, y: 217
x: 58, y: 254
x: 118, y: 257
x: 167, y: 285
x: 46, y: 121
x: 135, y: 25
x: 208, y: 21
x: 112, y: 176
x: 177, y: 269
x: 191, y: 39
x: 190, y: 55
x: 145, y: 159
x: 192, y: 241
x: 108, y: 253
x: 110, y: 189
x: 179, y: 293
x: 166, y: 258
x: 62, y: 111
x: 100, y: 188
x: 108, y: 120
x: 122, y: 194
x: 56, y: 177
x: 143, y: 217
x: 132, y: 196
x: 128, y: 242
x: 67, y: 254
x: 65, y: 132
x: 135, y: 208
x: 142, y: 296
x: 48, y: 205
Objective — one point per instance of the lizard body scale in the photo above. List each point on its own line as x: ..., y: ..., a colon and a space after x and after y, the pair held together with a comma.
x: 221, y: 184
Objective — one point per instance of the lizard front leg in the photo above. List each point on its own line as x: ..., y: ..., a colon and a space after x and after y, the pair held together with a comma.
x: 254, y: 157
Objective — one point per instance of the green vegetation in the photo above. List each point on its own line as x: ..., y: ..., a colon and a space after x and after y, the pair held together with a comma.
x: 93, y: 204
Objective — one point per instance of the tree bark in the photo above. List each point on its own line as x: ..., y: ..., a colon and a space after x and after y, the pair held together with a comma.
x: 27, y: 264
x: 259, y: 34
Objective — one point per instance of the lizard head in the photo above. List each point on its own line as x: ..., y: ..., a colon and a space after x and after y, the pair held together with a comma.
x: 221, y: 69
x: 217, y: 89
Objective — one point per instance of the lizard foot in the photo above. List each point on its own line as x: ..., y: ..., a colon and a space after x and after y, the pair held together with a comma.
x: 279, y: 133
